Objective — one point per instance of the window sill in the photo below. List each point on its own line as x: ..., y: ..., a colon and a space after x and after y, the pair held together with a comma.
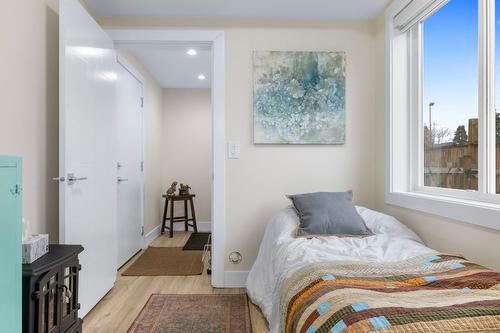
x: 469, y: 211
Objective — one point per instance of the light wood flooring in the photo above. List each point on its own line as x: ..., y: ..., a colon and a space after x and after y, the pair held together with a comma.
x: 118, y: 309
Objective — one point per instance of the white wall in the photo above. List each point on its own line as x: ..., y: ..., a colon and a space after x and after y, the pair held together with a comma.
x: 153, y: 140
x: 187, y: 145
x: 29, y: 111
x: 29, y: 104
x: 256, y: 184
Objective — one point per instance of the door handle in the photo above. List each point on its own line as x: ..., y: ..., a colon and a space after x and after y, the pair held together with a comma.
x: 120, y: 179
x: 73, y: 179
x: 59, y: 179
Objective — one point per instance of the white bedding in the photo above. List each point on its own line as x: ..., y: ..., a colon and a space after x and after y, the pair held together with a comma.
x: 281, y: 253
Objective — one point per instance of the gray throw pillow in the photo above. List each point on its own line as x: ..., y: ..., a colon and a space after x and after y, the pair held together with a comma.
x: 328, y: 213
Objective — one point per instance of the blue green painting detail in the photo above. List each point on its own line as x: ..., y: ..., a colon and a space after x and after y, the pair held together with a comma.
x: 299, y: 97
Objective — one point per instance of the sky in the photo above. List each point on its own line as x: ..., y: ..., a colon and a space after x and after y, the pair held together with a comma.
x: 451, y: 64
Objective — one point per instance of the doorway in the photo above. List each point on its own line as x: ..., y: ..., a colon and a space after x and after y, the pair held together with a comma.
x: 178, y: 149
x: 130, y: 38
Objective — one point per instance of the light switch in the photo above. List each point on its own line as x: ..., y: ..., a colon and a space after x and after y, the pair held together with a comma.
x: 233, y: 150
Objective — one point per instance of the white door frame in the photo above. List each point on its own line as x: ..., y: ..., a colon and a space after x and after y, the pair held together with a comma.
x: 215, y: 38
x: 121, y: 61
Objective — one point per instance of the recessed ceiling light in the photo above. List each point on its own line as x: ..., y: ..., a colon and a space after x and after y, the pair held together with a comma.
x: 201, y: 77
x: 191, y: 52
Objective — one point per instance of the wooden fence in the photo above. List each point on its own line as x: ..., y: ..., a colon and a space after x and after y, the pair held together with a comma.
x: 455, y: 166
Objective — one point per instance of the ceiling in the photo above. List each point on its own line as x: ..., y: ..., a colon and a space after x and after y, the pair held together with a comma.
x: 172, y: 67
x: 248, y: 9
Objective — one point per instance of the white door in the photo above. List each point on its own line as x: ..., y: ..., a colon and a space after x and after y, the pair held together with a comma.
x: 88, y: 149
x: 130, y: 194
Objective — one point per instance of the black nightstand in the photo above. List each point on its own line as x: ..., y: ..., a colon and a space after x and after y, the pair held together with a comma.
x: 50, y: 292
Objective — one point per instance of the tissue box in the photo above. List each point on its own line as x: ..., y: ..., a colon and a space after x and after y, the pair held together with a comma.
x: 35, y: 247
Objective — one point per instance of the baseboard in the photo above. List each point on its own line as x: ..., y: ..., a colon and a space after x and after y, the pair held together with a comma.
x: 203, y: 226
x: 235, y: 279
x: 151, y: 236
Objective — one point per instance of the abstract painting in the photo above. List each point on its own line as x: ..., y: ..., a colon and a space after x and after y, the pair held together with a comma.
x: 299, y: 97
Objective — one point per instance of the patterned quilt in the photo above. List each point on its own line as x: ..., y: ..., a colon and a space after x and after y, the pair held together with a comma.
x: 439, y: 293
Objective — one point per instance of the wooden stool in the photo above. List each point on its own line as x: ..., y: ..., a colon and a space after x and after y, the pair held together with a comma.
x: 172, y: 199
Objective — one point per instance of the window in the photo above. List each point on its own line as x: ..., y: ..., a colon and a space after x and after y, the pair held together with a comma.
x: 450, y: 96
x: 497, y: 96
x: 443, y: 108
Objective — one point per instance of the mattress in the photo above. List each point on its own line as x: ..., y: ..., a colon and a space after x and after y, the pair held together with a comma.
x: 282, y: 258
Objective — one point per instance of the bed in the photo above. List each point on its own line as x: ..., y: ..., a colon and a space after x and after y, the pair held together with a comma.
x: 388, y: 282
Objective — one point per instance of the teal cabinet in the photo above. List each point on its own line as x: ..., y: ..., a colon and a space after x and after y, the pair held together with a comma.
x: 10, y: 244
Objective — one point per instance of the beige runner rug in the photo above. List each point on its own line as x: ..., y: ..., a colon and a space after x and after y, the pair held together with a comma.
x: 158, y: 261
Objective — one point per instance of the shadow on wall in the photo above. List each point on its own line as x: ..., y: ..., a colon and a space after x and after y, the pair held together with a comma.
x: 52, y: 123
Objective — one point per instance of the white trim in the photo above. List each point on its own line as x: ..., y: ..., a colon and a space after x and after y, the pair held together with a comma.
x: 483, y: 96
x: 151, y: 236
x: 62, y: 121
x: 415, y: 53
x: 162, y: 36
x: 469, y: 211
x: 488, y: 123
x: 131, y: 69
x: 415, y: 11
x: 160, y: 45
x: 235, y: 279
x: 216, y: 39
x: 219, y: 163
x: 404, y: 188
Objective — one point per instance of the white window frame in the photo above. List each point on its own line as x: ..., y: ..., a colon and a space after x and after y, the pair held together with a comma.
x: 404, y: 124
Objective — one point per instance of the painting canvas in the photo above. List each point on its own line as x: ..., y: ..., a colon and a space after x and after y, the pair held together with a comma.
x: 299, y: 97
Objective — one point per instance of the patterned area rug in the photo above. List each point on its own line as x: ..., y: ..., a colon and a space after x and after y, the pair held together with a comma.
x: 194, y: 314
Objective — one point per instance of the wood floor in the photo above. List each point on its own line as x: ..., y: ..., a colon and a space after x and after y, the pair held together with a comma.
x: 118, y: 309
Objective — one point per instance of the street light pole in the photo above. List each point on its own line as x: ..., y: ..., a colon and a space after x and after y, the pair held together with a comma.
x: 431, y: 104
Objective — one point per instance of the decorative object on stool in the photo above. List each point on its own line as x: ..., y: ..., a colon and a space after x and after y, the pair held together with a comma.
x: 184, y: 189
x: 172, y: 189
x: 194, y: 314
x: 172, y: 199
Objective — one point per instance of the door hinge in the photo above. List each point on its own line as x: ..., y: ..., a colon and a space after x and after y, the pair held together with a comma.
x: 142, y: 102
x: 142, y: 231
x: 142, y: 166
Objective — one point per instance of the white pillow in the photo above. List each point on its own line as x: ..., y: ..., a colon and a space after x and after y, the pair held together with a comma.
x: 382, y: 224
x: 283, y: 226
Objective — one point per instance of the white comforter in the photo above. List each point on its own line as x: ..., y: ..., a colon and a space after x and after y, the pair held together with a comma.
x: 281, y: 253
